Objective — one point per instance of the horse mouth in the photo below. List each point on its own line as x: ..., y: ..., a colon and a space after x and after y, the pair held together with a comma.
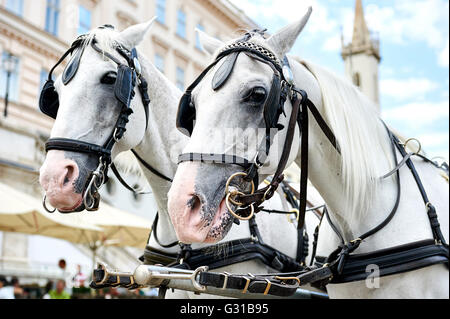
x: 78, y: 207
x: 220, y: 224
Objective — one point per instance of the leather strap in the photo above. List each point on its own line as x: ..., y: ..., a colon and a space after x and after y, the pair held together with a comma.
x: 214, y: 158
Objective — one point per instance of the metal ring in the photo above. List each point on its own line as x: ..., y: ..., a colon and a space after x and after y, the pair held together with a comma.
x: 266, y: 192
x: 227, y: 186
x: 45, y: 205
x: 234, y: 213
x: 413, y: 139
x: 297, y: 214
x: 234, y: 193
x: 194, y: 276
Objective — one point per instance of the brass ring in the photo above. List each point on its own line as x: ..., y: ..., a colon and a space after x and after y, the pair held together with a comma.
x: 234, y: 193
x: 297, y: 214
x: 235, y: 175
x: 227, y: 199
x: 413, y: 139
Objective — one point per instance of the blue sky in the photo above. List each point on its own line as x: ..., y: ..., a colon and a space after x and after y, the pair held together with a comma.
x: 414, y: 71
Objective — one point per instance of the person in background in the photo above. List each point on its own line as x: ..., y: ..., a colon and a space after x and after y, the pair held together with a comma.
x: 19, y: 293
x: 6, y: 291
x: 47, y: 289
x: 67, y: 275
x: 79, y: 279
x: 59, y: 292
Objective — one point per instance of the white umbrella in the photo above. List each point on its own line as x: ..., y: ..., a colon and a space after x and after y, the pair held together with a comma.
x: 120, y: 228
x: 23, y: 213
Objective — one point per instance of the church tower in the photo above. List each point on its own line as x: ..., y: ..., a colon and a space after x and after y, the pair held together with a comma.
x: 362, y: 56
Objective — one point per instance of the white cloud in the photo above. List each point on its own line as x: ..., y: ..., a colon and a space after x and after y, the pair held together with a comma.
x: 417, y: 115
x: 443, y: 57
x: 417, y: 120
x: 402, y: 89
x: 435, y: 144
x: 332, y: 44
x: 434, y: 139
x: 411, y: 20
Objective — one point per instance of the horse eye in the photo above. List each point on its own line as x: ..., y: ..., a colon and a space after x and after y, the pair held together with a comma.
x: 256, y: 96
x: 109, y: 78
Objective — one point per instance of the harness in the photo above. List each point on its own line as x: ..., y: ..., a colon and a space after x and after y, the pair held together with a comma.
x: 128, y: 77
x: 211, y: 257
x: 230, y: 252
x: 342, y: 265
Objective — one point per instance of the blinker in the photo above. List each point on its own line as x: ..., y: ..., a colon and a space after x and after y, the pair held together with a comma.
x: 71, y: 69
x: 124, y: 84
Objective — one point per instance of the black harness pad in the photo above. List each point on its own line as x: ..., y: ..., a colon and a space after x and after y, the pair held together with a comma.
x: 224, y: 71
x: 186, y: 114
x: 272, y: 105
x: 124, y: 84
x: 49, y: 100
x: 74, y: 64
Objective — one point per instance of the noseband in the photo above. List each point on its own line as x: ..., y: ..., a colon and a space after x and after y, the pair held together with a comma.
x: 128, y: 76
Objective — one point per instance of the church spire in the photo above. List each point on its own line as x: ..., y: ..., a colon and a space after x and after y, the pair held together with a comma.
x: 362, y: 56
x: 361, y: 35
x: 361, y: 40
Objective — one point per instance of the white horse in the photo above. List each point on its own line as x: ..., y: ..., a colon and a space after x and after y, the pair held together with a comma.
x: 350, y: 183
x: 88, y: 111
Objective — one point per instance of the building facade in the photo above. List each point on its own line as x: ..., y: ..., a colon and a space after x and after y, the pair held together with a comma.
x: 34, y: 34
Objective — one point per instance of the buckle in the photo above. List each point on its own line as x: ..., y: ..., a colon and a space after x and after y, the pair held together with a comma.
x: 246, y: 285
x: 288, y: 278
x: 225, y: 281
x: 269, y: 284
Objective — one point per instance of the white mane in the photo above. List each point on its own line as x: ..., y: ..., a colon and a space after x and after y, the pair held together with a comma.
x: 361, y: 135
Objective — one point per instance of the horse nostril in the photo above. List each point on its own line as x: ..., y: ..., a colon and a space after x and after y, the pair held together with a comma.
x: 194, y: 203
x: 69, y: 175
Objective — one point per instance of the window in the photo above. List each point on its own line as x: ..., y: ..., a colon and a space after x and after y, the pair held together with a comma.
x: 198, y: 45
x: 52, y: 16
x: 84, y: 20
x: 181, y: 23
x: 180, y: 78
x: 356, y: 80
x: 13, y: 81
x: 15, y: 6
x: 161, y: 11
x: 159, y: 62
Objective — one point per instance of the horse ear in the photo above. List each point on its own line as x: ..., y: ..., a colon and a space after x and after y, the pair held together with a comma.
x: 210, y: 45
x: 133, y: 36
x: 283, y: 41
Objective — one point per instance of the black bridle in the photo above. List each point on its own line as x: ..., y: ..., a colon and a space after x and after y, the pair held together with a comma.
x: 282, y: 88
x: 128, y: 77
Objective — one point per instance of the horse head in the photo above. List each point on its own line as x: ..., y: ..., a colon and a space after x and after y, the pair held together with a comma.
x: 236, y: 114
x: 99, y: 112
